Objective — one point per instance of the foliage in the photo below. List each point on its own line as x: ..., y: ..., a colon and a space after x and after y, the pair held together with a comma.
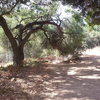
x: 92, y: 36
x: 73, y: 33
x: 90, y: 9
x: 26, y: 22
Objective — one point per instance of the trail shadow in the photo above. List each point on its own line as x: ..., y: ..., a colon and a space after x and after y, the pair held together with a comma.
x: 10, y: 91
x: 74, y: 81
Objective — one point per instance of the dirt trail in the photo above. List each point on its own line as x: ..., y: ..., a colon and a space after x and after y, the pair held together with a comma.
x: 75, y: 81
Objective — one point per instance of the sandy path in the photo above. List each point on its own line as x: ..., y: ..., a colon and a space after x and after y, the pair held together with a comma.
x: 76, y: 81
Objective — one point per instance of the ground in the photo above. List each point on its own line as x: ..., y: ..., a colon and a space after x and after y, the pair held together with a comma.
x: 63, y: 81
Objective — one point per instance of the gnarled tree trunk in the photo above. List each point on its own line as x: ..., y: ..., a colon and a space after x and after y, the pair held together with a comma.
x: 18, y: 54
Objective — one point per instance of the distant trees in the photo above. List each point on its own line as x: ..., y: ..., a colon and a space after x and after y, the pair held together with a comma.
x: 90, y: 9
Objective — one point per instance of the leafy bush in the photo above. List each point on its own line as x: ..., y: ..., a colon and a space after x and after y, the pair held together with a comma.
x: 92, y: 36
x: 73, y: 39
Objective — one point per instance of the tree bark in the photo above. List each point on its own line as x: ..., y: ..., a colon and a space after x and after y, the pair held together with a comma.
x: 18, y: 57
x: 18, y: 54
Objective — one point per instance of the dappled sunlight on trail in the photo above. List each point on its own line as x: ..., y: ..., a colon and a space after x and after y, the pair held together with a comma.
x: 95, y: 51
x: 63, y: 81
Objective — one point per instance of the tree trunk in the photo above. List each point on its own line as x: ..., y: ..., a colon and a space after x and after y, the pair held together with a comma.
x: 18, y: 57
x: 17, y: 50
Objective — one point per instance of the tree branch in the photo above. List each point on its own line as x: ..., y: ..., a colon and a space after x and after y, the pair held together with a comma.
x: 29, y: 34
x: 8, y: 33
x: 45, y: 34
x: 37, y: 26
x: 8, y: 12
x: 42, y: 23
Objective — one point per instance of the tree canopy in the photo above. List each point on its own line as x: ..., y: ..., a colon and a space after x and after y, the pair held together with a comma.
x: 90, y: 8
x: 31, y: 16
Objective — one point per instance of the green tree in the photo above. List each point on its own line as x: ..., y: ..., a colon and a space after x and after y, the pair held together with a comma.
x: 73, y: 33
x: 90, y: 9
x: 27, y: 25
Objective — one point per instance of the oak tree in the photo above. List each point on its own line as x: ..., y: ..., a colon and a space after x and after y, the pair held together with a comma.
x: 26, y: 29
